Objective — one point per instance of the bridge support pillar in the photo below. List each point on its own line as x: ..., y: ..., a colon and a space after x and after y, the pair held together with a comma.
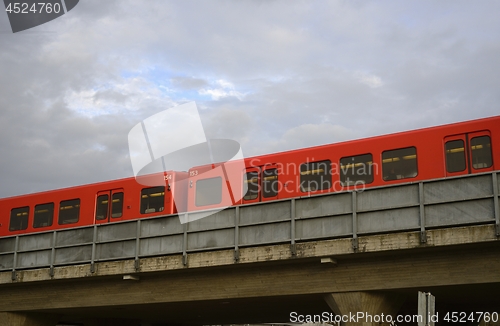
x: 365, y: 308
x: 27, y: 319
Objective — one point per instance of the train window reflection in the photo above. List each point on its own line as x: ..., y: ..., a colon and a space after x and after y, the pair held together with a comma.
x: 399, y: 164
x: 44, y: 214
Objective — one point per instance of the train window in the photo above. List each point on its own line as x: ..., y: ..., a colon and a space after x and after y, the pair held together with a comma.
x: 315, y: 176
x: 455, y: 156
x: 101, y: 209
x: 356, y: 169
x: 481, y: 152
x: 251, y: 179
x: 19, y: 218
x: 44, y: 214
x: 152, y: 200
x: 117, y: 204
x: 270, y: 183
x: 208, y: 191
x: 399, y: 164
x: 69, y: 211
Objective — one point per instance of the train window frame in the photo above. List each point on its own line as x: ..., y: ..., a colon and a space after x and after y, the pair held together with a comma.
x: 207, y: 187
x: 19, y: 218
x: 307, y: 174
x: 355, y: 161
x: 480, y: 146
x: 69, y: 217
x: 155, y: 195
x: 395, y: 155
x: 117, y: 211
x: 252, y: 183
x: 270, y: 183
x: 38, y: 221
x: 452, y: 164
x: 102, y: 201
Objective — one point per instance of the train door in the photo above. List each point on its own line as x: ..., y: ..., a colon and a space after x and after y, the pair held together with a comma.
x: 262, y: 184
x: 468, y: 153
x: 109, y: 206
x: 251, y: 178
x: 269, y: 183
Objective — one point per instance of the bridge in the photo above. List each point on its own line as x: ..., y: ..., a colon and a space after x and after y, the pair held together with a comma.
x: 336, y: 253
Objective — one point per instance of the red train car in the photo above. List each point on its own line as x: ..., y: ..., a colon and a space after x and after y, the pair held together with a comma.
x: 436, y: 152
x: 97, y: 203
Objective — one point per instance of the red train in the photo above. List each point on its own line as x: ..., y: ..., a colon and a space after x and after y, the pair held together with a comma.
x: 436, y: 152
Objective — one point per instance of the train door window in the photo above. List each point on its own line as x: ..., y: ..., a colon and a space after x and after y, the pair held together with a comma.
x: 117, y: 204
x: 101, y: 209
x: 356, y: 169
x: 152, y: 200
x: 251, y: 179
x: 69, y: 211
x: 19, y: 218
x: 481, y: 152
x: 208, y: 191
x: 270, y: 183
x: 455, y: 156
x: 315, y: 176
x: 44, y: 214
x: 399, y: 164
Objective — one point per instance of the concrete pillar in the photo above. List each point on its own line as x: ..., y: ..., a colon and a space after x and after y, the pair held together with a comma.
x: 372, y: 307
x: 27, y: 319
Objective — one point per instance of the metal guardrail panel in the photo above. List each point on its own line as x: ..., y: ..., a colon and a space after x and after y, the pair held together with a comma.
x: 161, y: 245
x: 216, y: 239
x: 73, y: 254
x: 383, y: 198
x: 7, y: 244
x: 7, y: 261
x: 34, y: 258
x: 267, y: 233
x: 35, y: 242
x: 161, y: 226
x: 219, y: 220
x: 110, y: 232
x: 115, y: 250
x: 263, y: 213
x: 74, y: 236
x: 466, y: 212
x: 458, y: 189
x: 323, y: 205
x: 389, y: 220
x: 324, y: 227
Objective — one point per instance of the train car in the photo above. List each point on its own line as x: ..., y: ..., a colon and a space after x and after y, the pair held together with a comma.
x: 436, y: 152
x: 97, y: 203
x: 411, y: 156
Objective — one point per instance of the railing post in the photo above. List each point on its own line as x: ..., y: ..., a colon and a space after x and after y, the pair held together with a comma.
x: 184, y: 242
x: 423, y: 234
x: 14, y: 263
x: 355, y: 244
x: 53, y: 254
x: 496, y: 207
x: 293, y: 247
x: 137, y: 246
x: 237, y: 234
x: 94, y: 241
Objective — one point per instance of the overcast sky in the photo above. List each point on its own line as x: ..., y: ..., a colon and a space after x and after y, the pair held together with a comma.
x: 273, y: 75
